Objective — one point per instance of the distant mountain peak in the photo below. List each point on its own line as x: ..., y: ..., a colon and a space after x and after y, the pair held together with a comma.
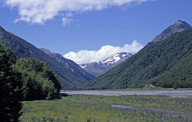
x: 178, y: 26
x: 179, y: 22
x: 98, y: 68
x: 116, y: 58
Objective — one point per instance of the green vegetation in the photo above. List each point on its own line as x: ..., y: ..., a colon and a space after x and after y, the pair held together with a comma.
x: 165, y: 63
x: 80, y: 108
x: 23, y: 79
x: 178, y: 76
x: 23, y: 49
x: 39, y: 82
x: 10, y: 87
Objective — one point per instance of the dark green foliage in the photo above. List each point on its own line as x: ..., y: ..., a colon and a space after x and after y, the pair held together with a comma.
x: 179, y: 76
x: 10, y: 87
x: 150, y: 62
x: 39, y: 82
x: 23, y: 49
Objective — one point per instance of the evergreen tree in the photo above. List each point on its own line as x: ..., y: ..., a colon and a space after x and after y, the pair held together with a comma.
x: 10, y: 87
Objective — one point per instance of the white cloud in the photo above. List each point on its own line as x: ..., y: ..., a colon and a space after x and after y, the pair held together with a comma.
x: 86, y: 56
x: 66, y: 21
x: 39, y: 11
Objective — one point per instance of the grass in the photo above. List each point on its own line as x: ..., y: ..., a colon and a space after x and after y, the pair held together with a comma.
x: 84, y: 108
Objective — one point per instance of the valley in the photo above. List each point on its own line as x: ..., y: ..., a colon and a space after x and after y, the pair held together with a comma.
x: 95, y: 61
x: 164, y: 62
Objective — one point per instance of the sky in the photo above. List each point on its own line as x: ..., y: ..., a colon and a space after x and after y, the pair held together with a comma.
x: 91, y: 30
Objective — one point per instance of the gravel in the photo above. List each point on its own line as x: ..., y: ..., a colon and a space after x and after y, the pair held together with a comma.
x: 171, y: 93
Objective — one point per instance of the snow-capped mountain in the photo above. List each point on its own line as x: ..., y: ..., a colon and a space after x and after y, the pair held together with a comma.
x: 99, y: 68
x: 117, y: 58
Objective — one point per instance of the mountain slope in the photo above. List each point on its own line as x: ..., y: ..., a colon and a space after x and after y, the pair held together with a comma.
x: 22, y: 49
x: 147, y: 64
x: 99, y: 68
x: 69, y: 64
x: 179, y: 76
x: 176, y: 27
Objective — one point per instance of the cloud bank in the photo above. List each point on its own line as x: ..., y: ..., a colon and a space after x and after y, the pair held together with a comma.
x: 86, y: 56
x: 39, y: 11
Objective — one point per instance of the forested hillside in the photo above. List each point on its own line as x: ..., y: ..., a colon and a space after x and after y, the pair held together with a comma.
x: 23, y: 49
x: 153, y: 64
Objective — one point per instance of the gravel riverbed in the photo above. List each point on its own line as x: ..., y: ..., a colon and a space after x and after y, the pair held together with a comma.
x: 171, y: 93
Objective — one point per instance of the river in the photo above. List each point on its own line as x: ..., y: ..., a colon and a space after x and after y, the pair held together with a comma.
x: 171, y: 93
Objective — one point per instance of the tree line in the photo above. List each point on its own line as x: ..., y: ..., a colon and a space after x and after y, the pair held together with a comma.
x: 23, y: 79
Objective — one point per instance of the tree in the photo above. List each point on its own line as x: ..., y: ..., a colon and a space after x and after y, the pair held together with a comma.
x: 10, y: 87
x: 39, y: 81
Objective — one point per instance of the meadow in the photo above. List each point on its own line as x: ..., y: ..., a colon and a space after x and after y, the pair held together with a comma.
x: 85, y: 108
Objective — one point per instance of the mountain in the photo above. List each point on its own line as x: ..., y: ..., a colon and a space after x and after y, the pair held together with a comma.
x: 99, y: 68
x: 178, y: 26
x: 165, y: 63
x: 23, y: 49
x: 179, y: 76
x: 69, y: 64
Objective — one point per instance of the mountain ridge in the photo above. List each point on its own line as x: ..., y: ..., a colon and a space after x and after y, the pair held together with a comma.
x: 24, y: 49
x: 99, y: 68
x: 69, y: 64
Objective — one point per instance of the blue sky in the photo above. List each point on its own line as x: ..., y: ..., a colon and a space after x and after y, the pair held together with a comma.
x: 91, y: 29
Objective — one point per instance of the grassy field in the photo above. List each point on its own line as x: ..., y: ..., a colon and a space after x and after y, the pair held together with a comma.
x: 83, y: 108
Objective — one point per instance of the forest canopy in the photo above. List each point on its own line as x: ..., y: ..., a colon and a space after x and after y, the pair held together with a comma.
x: 39, y: 82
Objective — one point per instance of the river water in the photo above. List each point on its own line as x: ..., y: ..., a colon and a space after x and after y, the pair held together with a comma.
x: 123, y: 107
x: 171, y: 93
